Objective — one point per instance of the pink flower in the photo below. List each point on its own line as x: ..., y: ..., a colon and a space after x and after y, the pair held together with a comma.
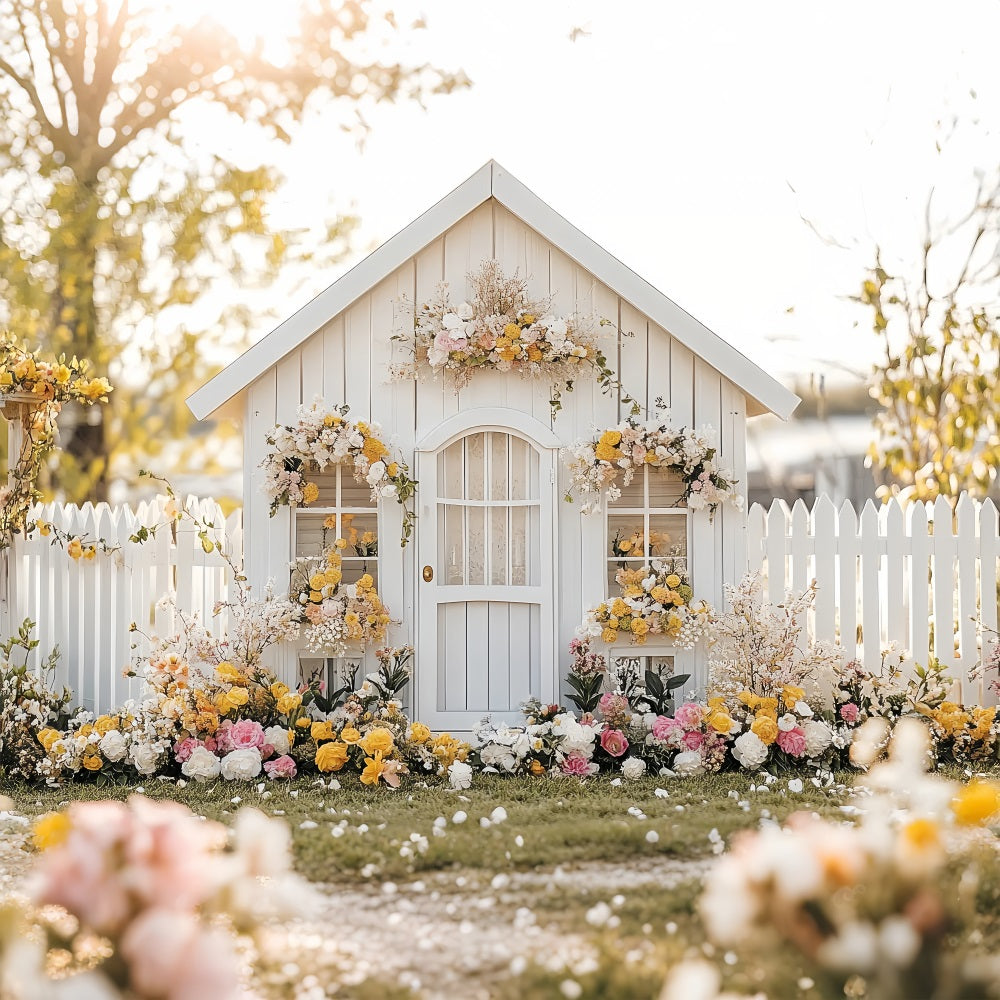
x: 689, y: 716
x: 613, y: 704
x: 281, y: 767
x: 792, y: 741
x: 614, y: 743
x: 664, y: 728
x: 849, y: 713
x: 576, y: 765
x: 223, y: 743
x: 246, y: 735
x: 693, y: 739
x: 184, y: 748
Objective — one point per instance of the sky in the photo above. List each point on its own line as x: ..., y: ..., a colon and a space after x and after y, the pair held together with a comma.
x: 692, y: 140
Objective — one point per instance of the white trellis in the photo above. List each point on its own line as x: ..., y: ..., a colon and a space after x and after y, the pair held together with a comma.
x: 920, y: 576
x: 85, y: 606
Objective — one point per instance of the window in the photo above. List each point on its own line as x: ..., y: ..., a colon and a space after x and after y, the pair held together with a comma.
x: 646, y: 523
x: 345, y: 510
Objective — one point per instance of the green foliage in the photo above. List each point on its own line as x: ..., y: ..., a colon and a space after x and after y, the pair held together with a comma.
x: 936, y: 379
x: 113, y: 224
x: 659, y: 697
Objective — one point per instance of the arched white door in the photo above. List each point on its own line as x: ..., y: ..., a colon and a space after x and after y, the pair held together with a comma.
x: 485, y: 535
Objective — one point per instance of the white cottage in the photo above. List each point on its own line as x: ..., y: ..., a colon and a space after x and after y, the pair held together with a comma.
x: 500, y: 569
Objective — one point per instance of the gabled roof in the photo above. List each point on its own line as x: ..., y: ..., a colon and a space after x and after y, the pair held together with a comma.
x: 492, y: 181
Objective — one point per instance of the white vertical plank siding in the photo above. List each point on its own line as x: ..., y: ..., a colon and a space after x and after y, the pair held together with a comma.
x: 681, y: 386
x: 357, y: 359
x: 334, y: 365
x: 633, y: 360
x: 430, y: 392
x: 824, y: 529
x: 733, y: 456
x: 261, y: 417
x: 920, y: 551
x: 943, y: 584
x: 989, y: 540
x: 849, y: 545
x: 895, y: 593
x: 871, y: 557
x: 312, y: 356
x: 967, y: 609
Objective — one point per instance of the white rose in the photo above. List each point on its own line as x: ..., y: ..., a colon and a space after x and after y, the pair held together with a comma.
x: 145, y: 758
x: 498, y: 756
x: 787, y: 722
x: 451, y: 321
x: 277, y: 736
x: 460, y: 774
x: 202, y: 765
x: 750, y: 750
x: 113, y: 745
x: 801, y: 708
x: 376, y: 473
x: 688, y: 763
x: 389, y: 490
x: 634, y: 767
x: 241, y: 765
x: 464, y: 311
x: 818, y: 737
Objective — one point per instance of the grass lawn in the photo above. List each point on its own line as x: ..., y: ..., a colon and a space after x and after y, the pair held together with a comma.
x: 581, y: 890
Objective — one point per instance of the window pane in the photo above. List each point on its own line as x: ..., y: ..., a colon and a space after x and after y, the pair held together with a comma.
x: 669, y: 534
x: 665, y: 488
x: 475, y: 521
x: 353, y: 493
x: 525, y: 558
x: 310, y: 536
x: 355, y: 567
x: 498, y: 545
x: 360, y: 531
x: 626, y: 536
x: 475, y: 467
x: 451, y: 544
x: 633, y: 495
x: 498, y: 466
x: 451, y: 472
x: 523, y: 470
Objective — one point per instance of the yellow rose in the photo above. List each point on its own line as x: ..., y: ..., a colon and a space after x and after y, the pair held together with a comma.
x: 310, y: 493
x: 278, y: 690
x: 720, y: 722
x: 534, y: 352
x: 612, y: 438
x: 350, y: 735
x: 93, y: 763
x: 977, y: 803
x: 237, y: 697
x: 62, y: 374
x: 288, y: 702
x: 75, y: 548
x: 392, y: 469
x: 512, y: 330
x: 228, y: 674
x: 331, y: 756
x: 304, y: 723
x: 527, y: 319
x: 673, y: 581
x: 537, y: 768
x: 609, y: 635
x: 47, y: 737
x: 43, y: 527
x: 50, y: 830
x: 378, y: 740
x: 792, y: 695
x: 619, y: 607
x: 639, y: 626
x: 105, y: 723
x: 765, y: 729
x: 374, y: 768
x: 607, y: 452
x: 660, y: 594
x: 321, y: 731
x: 419, y: 733
x: 317, y: 581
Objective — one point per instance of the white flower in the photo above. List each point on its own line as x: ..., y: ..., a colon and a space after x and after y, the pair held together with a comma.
x: 113, y: 745
x: 241, y: 765
x: 376, y: 473
x: 633, y: 767
x: 750, y: 750
x: 818, y: 737
x: 801, y: 708
x: 795, y: 785
x: 464, y: 312
x: 688, y: 762
x: 277, y: 736
x: 498, y: 756
x: 202, y: 765
x: 787, y: 722
x: 853, y: 949
x: 460, y: 774
x: 145, y: 758
x: 898, y: 941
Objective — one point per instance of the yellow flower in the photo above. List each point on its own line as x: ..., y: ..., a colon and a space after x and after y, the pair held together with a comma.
x: 977, y: 803
x: 310, y: 493
x: 792, y: 695
x: 44, y: 528
x: 612, y: 438
x: 350, y: 735
x: 89, y: 552
x: 765, y: 728
x: 527, y: 319
x: 537, y: 768
x: 660, y: 594
x: 377, y: 741
x: 288, y: 702
x: 921, y: 835
x: 366, y: 582
x: 512, y: 330
x: 607, y: 452
x: 228, y: 674
x: 374, y: 768
x: 303, y: 723
x: 75, y: 548
x: 93, y: 762
x: 609, y: 635
x: 419, y: 733
x: 237, y: 697
x: 673, y: 581
x: 321, y: 731
x: 392, y: 470
x: 619, y: 608
x: 47, y: 737
x: 278, y: 690
x: 104, y: 724
x: 50, y: 830
x: 639, y: 626
x: 331, y: 756
x: 721, y: 722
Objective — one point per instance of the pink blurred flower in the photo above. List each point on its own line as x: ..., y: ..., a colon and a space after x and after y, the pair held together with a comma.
x: 792, y: 741
x: 689, y: 715
x: 281, y: 767
x: 614, y: 742
x: 849, y: 713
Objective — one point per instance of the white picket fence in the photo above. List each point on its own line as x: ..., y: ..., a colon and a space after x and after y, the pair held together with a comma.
x: 85, y: 607
x: 921, y: 576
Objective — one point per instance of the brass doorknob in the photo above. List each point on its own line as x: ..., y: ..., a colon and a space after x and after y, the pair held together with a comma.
x: 428, y: 574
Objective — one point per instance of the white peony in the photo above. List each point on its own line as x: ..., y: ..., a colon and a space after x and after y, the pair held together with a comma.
x: 688, y: 763
x: 498, y: 756
x: 202, y: 765
x: 787, y: 722
x: 460, y: 774
x: 277, y: 736
x: 145, y: 758
x: 818, y: 737
x: 376, y: 473
x: 633, y: 768
x: 750, y: 750
x: 241, y: 765
x: 113, y: 745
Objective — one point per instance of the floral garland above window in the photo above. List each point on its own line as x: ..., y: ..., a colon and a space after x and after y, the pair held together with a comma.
x: 504, y: 329
x: 655, y: 601
x: 596, y: 463
x: 324, y: 436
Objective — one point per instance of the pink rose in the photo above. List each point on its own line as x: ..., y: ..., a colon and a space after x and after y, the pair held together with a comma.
x: 184, y: 748
x: 575, y: 765
x: 266, y: 751
x: 689, y: 716
x: 849, y: 713
x: 246, y: 735
x: 693, y: 739
x: 664, y: 728
x: 792, y: 741
x: 613, y: 704
x: 281, y: 767
x: 223, y: 743
x: 614, y: 743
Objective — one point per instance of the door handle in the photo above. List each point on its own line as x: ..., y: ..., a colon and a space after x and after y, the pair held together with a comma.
x: 428, y: 574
